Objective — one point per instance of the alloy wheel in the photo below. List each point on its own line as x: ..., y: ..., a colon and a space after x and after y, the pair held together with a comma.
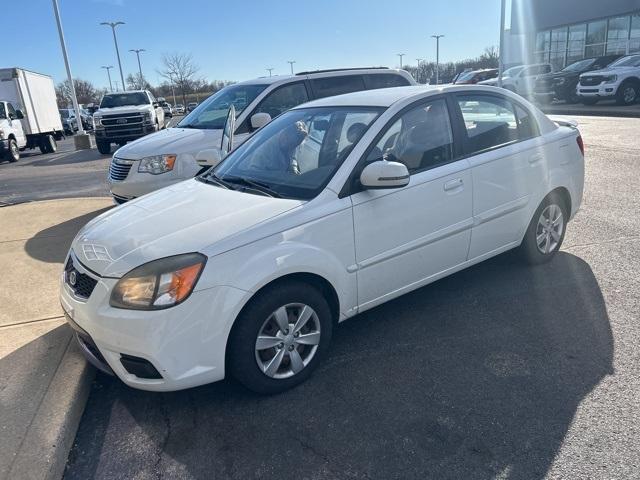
x: 549, y: 229
x: 629, y: 95
x: 288, y: 340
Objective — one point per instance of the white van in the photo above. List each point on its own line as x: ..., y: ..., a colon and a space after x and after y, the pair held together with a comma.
x: 169, y: 156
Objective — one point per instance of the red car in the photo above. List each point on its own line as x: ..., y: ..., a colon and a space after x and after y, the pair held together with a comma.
x: 475, y: 76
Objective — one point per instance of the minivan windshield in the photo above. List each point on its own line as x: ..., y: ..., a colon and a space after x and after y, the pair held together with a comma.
x: 212, y: 113
x: 112, y: 100
x: 629, y: 61
x: 296, y: 154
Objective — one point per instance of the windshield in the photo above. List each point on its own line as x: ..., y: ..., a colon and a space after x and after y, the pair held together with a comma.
x: 212, y: 113
x: 512, y: 72
x: 630, y: 61
x: 465, y: 77
x: 579, y: 66
x: 123, y: 99
x: 296, y: 155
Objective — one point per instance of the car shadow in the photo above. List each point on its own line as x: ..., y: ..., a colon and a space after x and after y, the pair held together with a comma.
x: 477, y: 376
x: 69, y: 158
x: 52, y: 244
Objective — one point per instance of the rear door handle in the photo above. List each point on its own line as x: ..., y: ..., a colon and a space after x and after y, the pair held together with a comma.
x: 453, y: 184
x: 535, y: 158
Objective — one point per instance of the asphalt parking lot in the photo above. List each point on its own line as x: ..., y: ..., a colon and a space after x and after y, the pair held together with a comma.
x: 500, y: 371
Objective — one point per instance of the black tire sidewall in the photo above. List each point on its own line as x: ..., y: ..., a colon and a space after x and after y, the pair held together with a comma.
x: 241, y: 361
x: 620, y: 94
x: 103, y: 147
x: 528, y: 247
x: 10, y: 152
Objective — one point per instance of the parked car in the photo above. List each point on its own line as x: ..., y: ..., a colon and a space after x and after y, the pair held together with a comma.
x: 475, y: 76
x: 191, y: 106
x: 168, y: 157
x: 69, y: 121
x: 520, y: 79
x: 168, y: 111
x: 562, y: 85
x: 619, y: 81
x: 126, y: 116
x: 179, y: 109
x: 29, y: 115
x: 334, y: 207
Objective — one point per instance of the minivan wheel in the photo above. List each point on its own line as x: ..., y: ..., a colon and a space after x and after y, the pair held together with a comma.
x: 546, y: 230
x: 627, y: 93
x: 13, y: 153
x: 279, y: 338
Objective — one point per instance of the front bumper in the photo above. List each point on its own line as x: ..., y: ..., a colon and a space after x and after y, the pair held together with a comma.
x: 185, y: 344
x: 4, y: 146
x: 116, y: 136
x: 597, y: 91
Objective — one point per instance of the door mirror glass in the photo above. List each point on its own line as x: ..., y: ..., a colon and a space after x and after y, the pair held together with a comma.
x: 19, y: 114
x: 259, y: 120
x: 384, y: 174
x: 226, y: 145
x: 209, y: 157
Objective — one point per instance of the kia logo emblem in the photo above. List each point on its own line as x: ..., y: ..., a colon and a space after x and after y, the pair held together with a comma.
x: 72, y: 278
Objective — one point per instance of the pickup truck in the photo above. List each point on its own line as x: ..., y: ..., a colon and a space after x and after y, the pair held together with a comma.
x: 126, y: 116
x: 29, y: 115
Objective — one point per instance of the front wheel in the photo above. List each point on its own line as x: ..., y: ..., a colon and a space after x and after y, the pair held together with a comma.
x: 279, y: 338
x: 13, y: 154
x: 545, y: 233
x: 627, y: 93
x: 103, y: 147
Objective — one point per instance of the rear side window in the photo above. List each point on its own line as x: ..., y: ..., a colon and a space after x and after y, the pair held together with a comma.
x: 327, y: 87
x: 385, y: 80
x: 489, y: 122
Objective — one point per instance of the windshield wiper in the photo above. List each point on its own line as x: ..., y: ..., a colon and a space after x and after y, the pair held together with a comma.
x: 214, y: 179
x: 259, y: 186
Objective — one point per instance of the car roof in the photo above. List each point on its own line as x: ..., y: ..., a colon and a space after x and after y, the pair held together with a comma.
x: 322, y: 74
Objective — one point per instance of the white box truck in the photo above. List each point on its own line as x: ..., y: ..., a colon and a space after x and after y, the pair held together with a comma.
x: 29, y: 116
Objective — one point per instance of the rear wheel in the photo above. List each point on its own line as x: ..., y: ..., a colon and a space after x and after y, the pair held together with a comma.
x: 627, y: 93
x: 545, y: 233
x: 13, y: 153
x: 103, y: 147
x: 48, y: 144
x: 279, y: 338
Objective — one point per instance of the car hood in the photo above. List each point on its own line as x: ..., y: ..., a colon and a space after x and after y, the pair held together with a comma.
x: 612, y: 71
x: 553, y: 76
x: 186, y: 217
x: 124, y: 109
x: 491, y: 82
x: 171, y: 141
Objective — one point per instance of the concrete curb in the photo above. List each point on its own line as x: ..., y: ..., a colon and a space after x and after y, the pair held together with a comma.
x: 619, y: 112
x: 46, y: 445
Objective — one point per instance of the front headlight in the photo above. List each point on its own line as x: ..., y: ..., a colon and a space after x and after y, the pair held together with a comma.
x: 610, y: 79
x: 159, y: 284
x: 157, y: 164
x: 97, y: 121
x: 1, y: 134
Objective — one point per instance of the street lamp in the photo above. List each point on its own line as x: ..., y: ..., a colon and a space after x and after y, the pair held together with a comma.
x: 291, y: 62
x: 109, y: 75
x: 437, y: 37
x: 83, y: 141
x: 137, y: 52
x: 269, y: 70
x: 113, y: 26
x: 401, y: 55
x: 418, y: 69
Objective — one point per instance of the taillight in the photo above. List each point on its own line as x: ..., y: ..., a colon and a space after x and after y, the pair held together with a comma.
x: 580, y: 144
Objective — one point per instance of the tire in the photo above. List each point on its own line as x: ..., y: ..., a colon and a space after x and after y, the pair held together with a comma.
x: 572, y: 98
x: 103, y: 147
x: 538, y: 247
x: 628, y: 93
x: 13, y: 153
x: 48, y: 144
x: 589, y: 101
x: 260, y: 317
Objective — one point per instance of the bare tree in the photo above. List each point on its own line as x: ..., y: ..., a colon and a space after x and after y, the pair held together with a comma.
x: 85, y: 91
x: 180, y: 69
x: 136, y: 82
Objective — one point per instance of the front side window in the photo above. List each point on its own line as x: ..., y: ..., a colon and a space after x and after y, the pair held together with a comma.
x: 3, y: 113
x: 112, y: 100
x: 489, y: 122
x: 629, y: 61
x: 296, y: 155
x: 283, y: 99
x: 421, y: 138
x: 212, y: 113
x: 330, y: 86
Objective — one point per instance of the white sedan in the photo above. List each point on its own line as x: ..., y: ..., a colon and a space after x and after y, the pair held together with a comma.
x: 335, y: 207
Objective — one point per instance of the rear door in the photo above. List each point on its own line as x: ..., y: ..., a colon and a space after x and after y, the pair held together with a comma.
x: 507, y: 161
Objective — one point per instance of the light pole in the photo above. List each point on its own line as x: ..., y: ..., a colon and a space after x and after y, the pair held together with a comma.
x: 437, y: 37
x: 418, y: 70
x: 291, y: 62
x: 83, y: 141
x: 109, y: 75
x: 116, y: 82
x: 137, y: 52
x: 113, y: 26
x: 269, y: 70
x: 401, y: 55
x: 501, y: 51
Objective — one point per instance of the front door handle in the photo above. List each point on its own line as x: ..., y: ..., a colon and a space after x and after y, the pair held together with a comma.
x: 535, y: 158
x: 453, y: 185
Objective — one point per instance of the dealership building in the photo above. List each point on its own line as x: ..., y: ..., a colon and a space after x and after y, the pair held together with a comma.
x: 561, y: 32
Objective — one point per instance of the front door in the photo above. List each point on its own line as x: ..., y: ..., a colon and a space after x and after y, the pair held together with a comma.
x: 16, y: 125
x: 408, y: 236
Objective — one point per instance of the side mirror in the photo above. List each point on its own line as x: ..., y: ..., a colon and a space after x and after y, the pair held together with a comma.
x: 209, y: 157
x: 156, y: 104
x: 19, y: 114
x: 384, y: 174
x: 259, y: 120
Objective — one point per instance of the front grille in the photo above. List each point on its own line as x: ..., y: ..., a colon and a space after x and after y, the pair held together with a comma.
x: 81, y: 284
x: 591, y: 81
x: 119, y: 125
x: 122, y: 120
x: 119, y: 169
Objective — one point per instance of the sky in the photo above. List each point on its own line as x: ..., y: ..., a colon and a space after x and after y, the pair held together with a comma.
x: 238, y: 40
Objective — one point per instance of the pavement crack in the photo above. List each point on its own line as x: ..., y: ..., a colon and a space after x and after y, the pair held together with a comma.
x: 613, y: 240
x: 164, y: 411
